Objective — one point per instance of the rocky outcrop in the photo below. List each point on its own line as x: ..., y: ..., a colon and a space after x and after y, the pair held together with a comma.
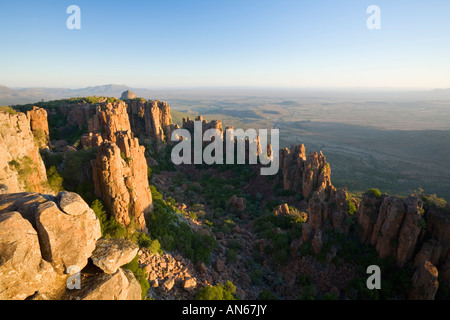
x: 214, y: 124
x: 110, y: 254
x: 305, y: 174
x: 46, y: 240
x: 150, y: 118
x: 21, y: 166
x: 291, y: 164
x: 39, y: 126
x: 281, y: 210
x: 121, y: 179
x: 127, y: 95
x: 109, y: 119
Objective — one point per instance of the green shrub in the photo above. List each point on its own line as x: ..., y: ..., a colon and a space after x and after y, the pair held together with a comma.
x: 77, y: 173
x: 140, y: 275
x: 24, y: 167
x: 54, y: 179
x: 109, y: 226
x: 52, y: 159
x: 309, y: 292
x: 8, y: 109
x: 166, y: 225
x: 433, y: 199
x: 217, y: 292
x: 231, y: 256
x: 375, y: 192
x: 267, y: 295
x: 351, y: 208
x: 145, y: 241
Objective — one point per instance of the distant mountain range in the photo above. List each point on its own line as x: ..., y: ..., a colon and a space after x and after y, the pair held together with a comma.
x: 9, y: 96
x: 14, y: 96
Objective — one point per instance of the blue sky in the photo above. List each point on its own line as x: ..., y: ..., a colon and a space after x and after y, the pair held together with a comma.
x: 268, y: 43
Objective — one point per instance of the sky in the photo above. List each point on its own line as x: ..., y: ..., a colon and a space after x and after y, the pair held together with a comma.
x: 209, y: 43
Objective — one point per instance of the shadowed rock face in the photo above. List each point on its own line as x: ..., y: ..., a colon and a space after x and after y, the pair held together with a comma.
x: 425, y: 283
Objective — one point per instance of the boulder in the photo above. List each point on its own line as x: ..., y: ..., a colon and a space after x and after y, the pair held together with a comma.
x: 219, y: 265
x: 66, y: 239
x: 22, y: 270
x: 122, y: 285
x: 72, y: 204
x: 168, y: 284
x: 110, y: 254
x: 189, y: 284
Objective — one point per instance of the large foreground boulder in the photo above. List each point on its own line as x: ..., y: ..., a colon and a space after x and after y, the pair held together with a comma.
x: 66, y: 239
x: 22, y: 270
x: 121, y: 285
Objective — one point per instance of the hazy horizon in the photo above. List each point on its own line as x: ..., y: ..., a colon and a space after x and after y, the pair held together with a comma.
x: 336, y: 88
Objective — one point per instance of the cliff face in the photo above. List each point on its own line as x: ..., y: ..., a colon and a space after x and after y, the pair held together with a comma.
x: 22, y: 168
x: 305, y: 175
x: 392, y: 225
x: 121, y: 179
x: 403, y: 229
